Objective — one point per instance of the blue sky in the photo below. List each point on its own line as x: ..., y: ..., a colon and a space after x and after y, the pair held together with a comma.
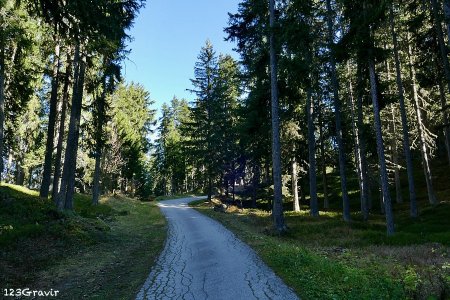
x: 168, y: 35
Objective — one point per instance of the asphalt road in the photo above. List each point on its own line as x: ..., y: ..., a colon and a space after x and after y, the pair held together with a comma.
x: 204, y: 260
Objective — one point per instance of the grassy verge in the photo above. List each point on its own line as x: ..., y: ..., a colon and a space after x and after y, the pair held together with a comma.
x: 176, y: 196
x: 102, y: 252
x: 326, y: 258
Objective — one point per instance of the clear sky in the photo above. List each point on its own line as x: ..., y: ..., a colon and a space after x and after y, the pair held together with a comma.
x: 168, y: 35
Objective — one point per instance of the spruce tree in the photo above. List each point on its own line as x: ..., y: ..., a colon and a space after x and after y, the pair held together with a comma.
x: 203, y: 113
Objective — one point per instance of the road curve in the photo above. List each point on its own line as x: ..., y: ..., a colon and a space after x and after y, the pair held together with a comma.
x: 204, y: 260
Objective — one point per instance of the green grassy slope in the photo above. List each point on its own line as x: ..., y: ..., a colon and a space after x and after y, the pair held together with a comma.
x: 326, y: 258
x: 99, y: 252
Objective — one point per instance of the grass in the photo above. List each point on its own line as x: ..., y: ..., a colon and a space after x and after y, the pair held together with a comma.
x: 326, y: 258
x: 176, y: 196
x: 100, y: 252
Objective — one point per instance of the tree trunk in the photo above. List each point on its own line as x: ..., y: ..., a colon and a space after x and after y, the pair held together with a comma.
x: 234, y: 181
x: 440, y: 38
x: 209, y: 187
x: 326, y: 203
x: 20, y: 174
x: 443, y: 98
x: 314, y: 209
x: 71, y: 181
x: 96, y: 183
x: 445, y: 119
x: 46, y: 177
x: 362, y: 178
x: 256, y: 178
x: 294, y: 184
x: 185, y: 183
x: 398, y: 186
x: 337, y: 114
x: 380, y: 148
x: 366, y: 205
x: 277, y: 212
x: 65, y: 196
x: 234, y: 190
x: 393, y: 143
x: 100, y: 119
x: 30, y: 178
x: 381, y: 198
x: 405, y: 127
x: 69, y: 155
x: 444, y: 59
x: 301, y: 191
x: 8, y: 168
x: 422, y: 140
x: 227, y: 186
x: 62, y: 121
x: 2, y: 100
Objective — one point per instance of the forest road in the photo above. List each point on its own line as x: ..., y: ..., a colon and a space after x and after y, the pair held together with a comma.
x: 204, y: 260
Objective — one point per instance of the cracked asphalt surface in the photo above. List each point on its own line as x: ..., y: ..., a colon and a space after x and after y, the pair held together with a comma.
x: 204, y: 260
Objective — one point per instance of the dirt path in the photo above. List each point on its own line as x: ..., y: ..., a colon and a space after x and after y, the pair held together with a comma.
x: 203, y: 260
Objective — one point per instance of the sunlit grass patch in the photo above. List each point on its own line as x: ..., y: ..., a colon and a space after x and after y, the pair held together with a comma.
x: 19, y: 189
x: 330, y: 214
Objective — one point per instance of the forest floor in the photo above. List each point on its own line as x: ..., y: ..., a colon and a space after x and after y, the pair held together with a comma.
x: 326, y: 258
x: 101, y: 252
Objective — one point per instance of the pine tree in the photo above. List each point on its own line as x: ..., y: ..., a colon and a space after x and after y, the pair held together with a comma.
x: 132, y: 119
x: 226, y: 93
